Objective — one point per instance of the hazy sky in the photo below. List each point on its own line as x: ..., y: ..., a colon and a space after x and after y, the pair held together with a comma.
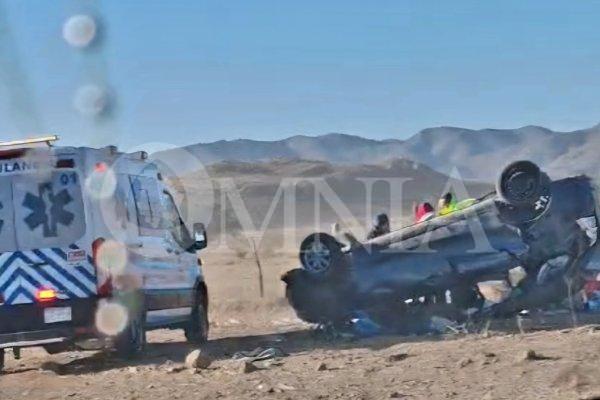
x: 190, y: 71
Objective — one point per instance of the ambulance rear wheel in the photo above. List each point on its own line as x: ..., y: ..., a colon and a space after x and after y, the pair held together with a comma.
x: 197, y: 330
x: 132, y: 341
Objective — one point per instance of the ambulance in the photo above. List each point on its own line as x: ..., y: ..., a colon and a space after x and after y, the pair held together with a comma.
x: 93, y: 250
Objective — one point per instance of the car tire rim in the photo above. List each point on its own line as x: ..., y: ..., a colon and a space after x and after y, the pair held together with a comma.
x: 317, y: 257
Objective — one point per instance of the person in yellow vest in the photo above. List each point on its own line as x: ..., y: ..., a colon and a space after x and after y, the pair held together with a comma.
x: 448, y: 204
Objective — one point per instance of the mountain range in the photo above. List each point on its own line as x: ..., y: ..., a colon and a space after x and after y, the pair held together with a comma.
x: 459, y: 152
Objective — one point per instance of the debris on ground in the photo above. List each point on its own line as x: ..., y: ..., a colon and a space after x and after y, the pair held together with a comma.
x: 531, y: 355
x: 363, y: 326
x: 197, y: 360
x: 444, y: 325
x: 259, y: 354
x: 463, y: 362
x: 246, y: 367
x: 321, y: 367
x: 494, y: 291
x: 397, y: 357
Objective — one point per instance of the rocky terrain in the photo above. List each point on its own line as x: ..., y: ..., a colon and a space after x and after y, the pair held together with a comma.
x: 542, y: 365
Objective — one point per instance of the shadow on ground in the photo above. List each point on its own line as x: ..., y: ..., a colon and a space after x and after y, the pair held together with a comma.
x: 290, y: 342
x: 157, y: 354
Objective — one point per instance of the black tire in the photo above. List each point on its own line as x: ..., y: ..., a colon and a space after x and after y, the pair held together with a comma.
x: 196, y: 331
x: 320, y: 254
x: 56, y: 348
x: 520, y: 183
x: 132, y: 341
x: 319, y: 301
x: 1, y: 359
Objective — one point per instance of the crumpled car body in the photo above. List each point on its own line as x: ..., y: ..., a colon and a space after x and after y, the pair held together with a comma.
x: 547, y: 228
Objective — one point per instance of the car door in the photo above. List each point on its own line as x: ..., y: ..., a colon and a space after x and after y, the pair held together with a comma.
x: 180, y: 240
x: 154, y: 255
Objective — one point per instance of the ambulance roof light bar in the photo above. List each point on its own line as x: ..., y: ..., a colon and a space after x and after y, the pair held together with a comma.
x: 44, y: 139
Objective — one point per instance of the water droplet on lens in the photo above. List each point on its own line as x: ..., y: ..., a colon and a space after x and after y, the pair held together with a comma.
x: 79, y: 30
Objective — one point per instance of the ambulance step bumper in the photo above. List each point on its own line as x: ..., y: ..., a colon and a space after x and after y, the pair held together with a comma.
x: 35, y: 338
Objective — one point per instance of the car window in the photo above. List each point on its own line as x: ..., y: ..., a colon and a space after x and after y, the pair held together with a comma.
x: 147, y: 205
x: 173, y: 221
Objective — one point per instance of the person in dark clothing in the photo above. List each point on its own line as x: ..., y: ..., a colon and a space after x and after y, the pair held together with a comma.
x: 381, y: 226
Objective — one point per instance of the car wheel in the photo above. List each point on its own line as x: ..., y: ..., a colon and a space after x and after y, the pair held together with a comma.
x: 320, y: 253
x: 1, y: 359
x: 132, y: 341
x: 520, y: 183
x: 197, y: 330
x: 56, y: 348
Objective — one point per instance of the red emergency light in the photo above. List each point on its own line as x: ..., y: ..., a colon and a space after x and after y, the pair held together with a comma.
x: 45, y: 295
x: 100, y: 167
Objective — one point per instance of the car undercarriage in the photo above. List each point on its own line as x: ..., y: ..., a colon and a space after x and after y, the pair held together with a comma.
x: 542, y: 231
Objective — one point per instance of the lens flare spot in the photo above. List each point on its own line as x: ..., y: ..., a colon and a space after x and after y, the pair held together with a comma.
x: 112, y: 257
x: 91, y: 100
x: 79, y: 30
x: 111, y: 318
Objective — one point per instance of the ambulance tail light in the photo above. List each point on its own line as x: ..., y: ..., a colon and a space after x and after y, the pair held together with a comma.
x: 106, y: 289
x: 45, y: 295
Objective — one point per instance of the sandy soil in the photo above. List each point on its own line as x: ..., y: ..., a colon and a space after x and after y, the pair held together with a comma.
x: 566, y: 364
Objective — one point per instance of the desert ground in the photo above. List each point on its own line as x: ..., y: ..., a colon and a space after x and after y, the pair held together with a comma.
x: 555, y: 364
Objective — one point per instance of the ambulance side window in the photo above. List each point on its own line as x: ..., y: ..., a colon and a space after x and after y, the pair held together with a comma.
x: 8, y: 240
x: 147, y: 205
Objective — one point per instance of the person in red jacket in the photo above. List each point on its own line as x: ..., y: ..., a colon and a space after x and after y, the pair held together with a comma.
x: 423, y: 212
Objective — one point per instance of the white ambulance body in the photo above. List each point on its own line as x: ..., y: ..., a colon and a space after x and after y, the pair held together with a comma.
x: 88, y: 235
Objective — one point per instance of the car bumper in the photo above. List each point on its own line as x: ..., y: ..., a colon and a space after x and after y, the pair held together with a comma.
x: 25, y: 326
x: 35, y: 338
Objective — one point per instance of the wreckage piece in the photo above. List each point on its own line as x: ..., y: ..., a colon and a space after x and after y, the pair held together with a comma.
x: 526, y: 222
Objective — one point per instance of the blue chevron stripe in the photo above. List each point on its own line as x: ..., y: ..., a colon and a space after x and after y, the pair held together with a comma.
x: 84, y: 271
x: 81, y: 283
x: 61, y: 253
x: 21, y: 273
x: 9, y: 262
x: 63, y: 272
x: 49, y: 278
x: 20, y: 290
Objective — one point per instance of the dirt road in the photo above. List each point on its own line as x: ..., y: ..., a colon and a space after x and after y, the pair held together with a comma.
x: 566, y: 365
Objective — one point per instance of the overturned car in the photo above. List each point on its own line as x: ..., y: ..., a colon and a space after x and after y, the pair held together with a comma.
x: 544, y: 229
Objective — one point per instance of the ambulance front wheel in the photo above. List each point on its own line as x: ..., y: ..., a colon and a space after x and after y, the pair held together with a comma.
x: 132, y: 341
x: 197, y: 329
